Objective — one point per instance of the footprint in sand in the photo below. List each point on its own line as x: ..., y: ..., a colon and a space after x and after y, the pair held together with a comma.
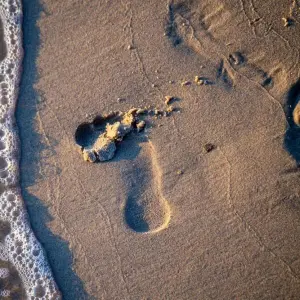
x: 204, y: 30
x: 146, y: 209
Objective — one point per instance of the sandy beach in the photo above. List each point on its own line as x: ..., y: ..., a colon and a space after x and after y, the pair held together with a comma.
x: 203, y: 203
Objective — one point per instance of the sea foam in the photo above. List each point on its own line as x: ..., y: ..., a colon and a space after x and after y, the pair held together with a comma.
x: 18, y: 245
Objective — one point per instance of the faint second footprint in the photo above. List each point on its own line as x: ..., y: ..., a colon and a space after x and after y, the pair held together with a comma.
x: 146, y: 210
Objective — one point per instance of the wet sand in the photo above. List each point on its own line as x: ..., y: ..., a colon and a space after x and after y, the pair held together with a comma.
x: 233, y: 224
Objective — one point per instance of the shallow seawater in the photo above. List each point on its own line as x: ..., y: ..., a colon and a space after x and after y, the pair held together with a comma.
x: 2, y: 42
x: 24, y: 270
x: 11, y: 286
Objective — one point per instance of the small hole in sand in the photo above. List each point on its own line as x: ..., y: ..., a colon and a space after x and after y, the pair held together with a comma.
x: 85, y: 135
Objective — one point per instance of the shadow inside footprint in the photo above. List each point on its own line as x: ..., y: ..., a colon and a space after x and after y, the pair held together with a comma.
x: 136, y: 182
x: 134, y: 213
x: 292, y: 136
x: 87, y: 132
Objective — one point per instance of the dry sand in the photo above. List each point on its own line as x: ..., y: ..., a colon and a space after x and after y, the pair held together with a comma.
x: 165, y: 219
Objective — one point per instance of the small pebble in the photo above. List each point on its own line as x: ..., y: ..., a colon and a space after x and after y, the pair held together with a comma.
x: 209, y: 147
x: 185, y: 83
x: 198, y: 80
x: 140, y: 126
x: 141, y: 111
x: 236, y: 58
x: 168, y: 99
x: 89, y: 155
x: 287, y: 22
x: 157, y: 112
x: 132, y: 111
x: 170, y: 109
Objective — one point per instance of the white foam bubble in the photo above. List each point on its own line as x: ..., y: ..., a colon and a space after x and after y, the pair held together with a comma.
x: 19, y: 246
x: 5, y: 293
x: 4, y: 272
